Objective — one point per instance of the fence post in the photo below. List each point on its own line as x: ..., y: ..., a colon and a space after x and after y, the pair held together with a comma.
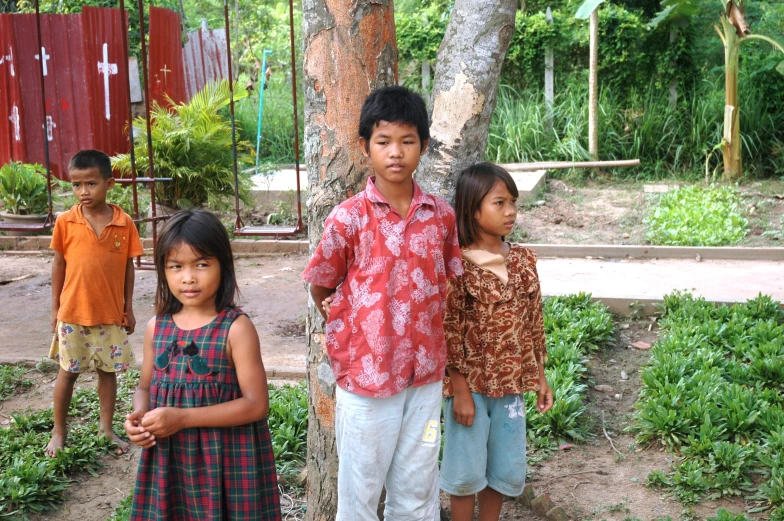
x: 549, y: 62
x: 426, y: 81
x: 593, y: 88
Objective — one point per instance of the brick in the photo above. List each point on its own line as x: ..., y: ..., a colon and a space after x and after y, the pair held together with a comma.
x: 541, y: 505
x: 557, y: 514
x: 527, y: 496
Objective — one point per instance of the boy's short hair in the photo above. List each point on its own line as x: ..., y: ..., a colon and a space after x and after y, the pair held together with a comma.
x: 396, y: 105
x: 86, y: 159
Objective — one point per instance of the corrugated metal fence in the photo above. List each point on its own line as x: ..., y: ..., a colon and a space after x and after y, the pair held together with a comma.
x: 84, y: 73
x: 85, y: 79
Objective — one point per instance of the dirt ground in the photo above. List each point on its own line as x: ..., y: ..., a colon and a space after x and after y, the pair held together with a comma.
x: 589, y: 480
x: 600, y: 212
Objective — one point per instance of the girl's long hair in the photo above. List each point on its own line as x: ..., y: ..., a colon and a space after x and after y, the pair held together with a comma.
x: 473, y: 184
x: 202, y: 231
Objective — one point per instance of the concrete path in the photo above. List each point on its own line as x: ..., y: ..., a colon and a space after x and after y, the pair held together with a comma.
x: 646, y: 281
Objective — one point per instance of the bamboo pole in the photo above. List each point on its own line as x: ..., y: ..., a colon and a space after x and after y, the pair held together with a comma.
x: 562, y: 165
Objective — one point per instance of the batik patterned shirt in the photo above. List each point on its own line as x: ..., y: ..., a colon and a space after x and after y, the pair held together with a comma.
x: 495, y: 331
x: 385, y: 328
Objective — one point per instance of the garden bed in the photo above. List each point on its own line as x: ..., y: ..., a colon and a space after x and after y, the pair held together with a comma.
x: 605, y: 212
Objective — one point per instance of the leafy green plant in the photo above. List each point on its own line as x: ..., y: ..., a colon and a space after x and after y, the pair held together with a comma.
x: 283, y: 214
x: 11, y: 378
x: 192, y: 145
x: 697, y: 216
x: 122, y: 512
x: 714, y: 367
x: 33, y: 483
x: 574, y: 327
x: 23, y: 188
x: 288, y: 425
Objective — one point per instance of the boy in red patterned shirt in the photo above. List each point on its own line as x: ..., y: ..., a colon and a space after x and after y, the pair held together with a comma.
x: 380, y: 275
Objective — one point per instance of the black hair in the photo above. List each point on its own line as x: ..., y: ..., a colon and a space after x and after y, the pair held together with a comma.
x: 202, y: 231
x: 396, y: 105
x: 86, y: 159
x: 473, y: 184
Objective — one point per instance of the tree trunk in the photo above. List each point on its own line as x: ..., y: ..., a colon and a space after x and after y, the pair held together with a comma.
x: 731, y: 147
x: 464, y: 91
x: 350, y: 50
x: 593, y: 89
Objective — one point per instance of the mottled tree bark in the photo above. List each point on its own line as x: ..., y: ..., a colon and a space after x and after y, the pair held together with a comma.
x: 468, y: 70
x: 350, y: 50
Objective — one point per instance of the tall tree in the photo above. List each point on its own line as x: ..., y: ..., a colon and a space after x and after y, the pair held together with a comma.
x: 468, y: 70
x: 350, y: 50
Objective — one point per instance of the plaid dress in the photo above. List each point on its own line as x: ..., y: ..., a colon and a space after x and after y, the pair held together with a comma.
x: 203, y: 473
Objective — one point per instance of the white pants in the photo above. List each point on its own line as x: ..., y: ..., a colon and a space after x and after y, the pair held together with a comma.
x: 393, y: 443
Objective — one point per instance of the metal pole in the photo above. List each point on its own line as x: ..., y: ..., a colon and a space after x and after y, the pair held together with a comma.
x: 43, y: 111
x: 296, y: 120
x: 134, y: 191
x: 150, y: 167
x: 261, y: 103
x: 238, y: 222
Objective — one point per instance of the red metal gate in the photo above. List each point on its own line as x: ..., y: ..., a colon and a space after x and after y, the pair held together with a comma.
x: 84, y: 75
x: 166, y: 75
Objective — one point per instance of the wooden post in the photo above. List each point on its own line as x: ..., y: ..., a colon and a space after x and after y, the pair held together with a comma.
x: 674, y: 80
x: 593, y: 88
x: 549, y: 63
x: 426, y: 81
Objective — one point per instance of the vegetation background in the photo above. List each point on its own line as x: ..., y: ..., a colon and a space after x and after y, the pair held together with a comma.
x: 637, y: 67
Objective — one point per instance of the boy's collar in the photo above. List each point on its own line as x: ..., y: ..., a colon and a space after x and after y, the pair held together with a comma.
x: 76, y: 215
x: 419, y: 197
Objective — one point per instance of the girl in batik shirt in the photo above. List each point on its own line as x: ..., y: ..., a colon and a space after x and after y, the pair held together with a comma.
x: 495, y: 349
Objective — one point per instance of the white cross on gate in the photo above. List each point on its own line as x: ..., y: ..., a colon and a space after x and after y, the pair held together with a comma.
x: 49, y: 126
x: 165, y: 72
x: 10, y: 58
x: 46, y: 59
x: 14, y: 117
x: 107, y: 69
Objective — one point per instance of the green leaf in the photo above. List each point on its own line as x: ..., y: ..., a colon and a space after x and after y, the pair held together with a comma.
x: 780, y: 68
x: 587, y: 8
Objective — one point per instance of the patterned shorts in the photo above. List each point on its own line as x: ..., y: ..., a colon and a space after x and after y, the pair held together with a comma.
x: 107, y: 345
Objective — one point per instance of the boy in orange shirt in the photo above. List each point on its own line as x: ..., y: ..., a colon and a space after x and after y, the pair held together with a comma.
x: 92, y: 288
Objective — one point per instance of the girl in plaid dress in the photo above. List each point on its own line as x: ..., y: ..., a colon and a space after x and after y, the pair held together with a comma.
x: 201, y: 406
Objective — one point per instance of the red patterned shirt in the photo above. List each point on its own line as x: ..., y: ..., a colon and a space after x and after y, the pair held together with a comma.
x: 385, y: 329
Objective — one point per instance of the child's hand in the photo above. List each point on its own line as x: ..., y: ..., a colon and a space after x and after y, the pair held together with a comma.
x: 463, y: 409
x: 137, y: 434
x: 544, y: 401
x: 129, y: 321
x: 54, y: 319
x: 163, y: 421
x: 327, y: 305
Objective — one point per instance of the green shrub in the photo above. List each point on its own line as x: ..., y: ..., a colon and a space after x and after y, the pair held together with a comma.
x: 192, y: 144
x: 23, y: 188
x: 697, y: 216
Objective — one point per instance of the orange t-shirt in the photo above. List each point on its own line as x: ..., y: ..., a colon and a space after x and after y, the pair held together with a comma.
x: 94, y: 290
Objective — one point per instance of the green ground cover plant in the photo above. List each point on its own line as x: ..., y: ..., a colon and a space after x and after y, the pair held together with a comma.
x: 713, y: 394
x: 12, y: 377
x: 33, y: 483
x: 697, y: 216
x: 575, y: 327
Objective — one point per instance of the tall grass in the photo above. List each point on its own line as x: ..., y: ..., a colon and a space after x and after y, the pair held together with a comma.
x: 277, y: 133
x: 669, y: 141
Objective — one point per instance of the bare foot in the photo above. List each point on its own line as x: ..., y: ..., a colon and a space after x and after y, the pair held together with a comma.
x: 56, y: 443
x: 122, y: 445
